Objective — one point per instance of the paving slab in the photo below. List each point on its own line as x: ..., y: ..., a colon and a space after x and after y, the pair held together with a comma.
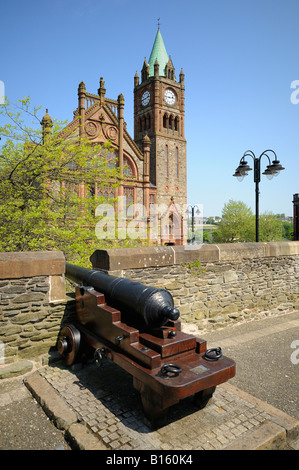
x: 23, y: 423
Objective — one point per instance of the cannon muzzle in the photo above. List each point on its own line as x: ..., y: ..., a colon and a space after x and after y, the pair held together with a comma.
x: 141, y: 305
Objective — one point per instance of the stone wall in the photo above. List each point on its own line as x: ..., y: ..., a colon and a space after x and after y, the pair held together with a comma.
x: 32, y: 303
x: 214, y: 284
x: 211, y: 285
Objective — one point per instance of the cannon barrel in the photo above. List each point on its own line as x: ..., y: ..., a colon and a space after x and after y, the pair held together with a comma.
x: 148, y: 306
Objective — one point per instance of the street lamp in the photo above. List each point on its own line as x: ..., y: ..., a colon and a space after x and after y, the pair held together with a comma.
x: 192, y: 220
x: 271, y: 170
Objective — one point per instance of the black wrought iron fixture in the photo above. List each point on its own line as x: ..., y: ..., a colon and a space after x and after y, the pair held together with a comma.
x: 273, y: 169
x: 192, y: 240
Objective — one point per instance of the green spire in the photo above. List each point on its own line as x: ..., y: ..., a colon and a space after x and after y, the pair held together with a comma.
x: 159, y: 53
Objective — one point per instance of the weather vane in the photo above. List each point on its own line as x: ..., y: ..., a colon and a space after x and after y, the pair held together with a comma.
x: 158, y: 23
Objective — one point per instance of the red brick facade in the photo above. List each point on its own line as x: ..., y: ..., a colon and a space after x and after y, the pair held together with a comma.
x: 155, y: 160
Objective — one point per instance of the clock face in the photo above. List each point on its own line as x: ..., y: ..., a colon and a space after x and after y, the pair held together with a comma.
x: 145, y: 98
x: 169, y: 97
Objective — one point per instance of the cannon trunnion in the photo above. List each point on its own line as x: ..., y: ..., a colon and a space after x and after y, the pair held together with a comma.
x: 166, y: 364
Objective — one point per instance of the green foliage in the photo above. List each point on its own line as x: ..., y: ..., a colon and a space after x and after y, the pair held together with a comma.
x: 238, y: 225
x: 288, y: 230
x: 206, y: 237
x: 269, y: 228
x: 195, y: 267
x: 43, y: 204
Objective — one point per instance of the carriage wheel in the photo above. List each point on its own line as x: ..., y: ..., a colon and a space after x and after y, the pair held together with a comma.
x: 68, y: 344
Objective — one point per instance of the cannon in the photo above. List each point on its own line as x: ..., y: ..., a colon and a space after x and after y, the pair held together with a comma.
x: 138, y: 328
x: 141, y: 305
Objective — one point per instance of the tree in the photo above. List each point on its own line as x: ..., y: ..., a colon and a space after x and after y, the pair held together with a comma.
x: 50, y: 185
x: 288, y: 230
x: 206, y: 236
x: 237, y: 223
x: 270, y: 228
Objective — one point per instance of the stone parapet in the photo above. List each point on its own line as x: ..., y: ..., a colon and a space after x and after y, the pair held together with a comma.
x: 214, y: 284
x: 33, y: 303
x: 16, y: 265
x: 128, y: 258
x: 153, y: 256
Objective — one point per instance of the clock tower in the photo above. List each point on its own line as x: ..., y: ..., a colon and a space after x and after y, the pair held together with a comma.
x: 159, y: 111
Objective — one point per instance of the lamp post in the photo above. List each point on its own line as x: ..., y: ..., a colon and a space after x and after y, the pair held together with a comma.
x: 271, y: 170
x: 192, y: 220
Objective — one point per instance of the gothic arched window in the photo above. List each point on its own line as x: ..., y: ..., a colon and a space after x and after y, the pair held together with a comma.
x: 107, y: 192
x: 165, y: 119
x: 176, y: 162
x: 111, y: 159
x: 129, y: 194
x: 128, y: 168
x: 166, y: 160
x: 170, y: 122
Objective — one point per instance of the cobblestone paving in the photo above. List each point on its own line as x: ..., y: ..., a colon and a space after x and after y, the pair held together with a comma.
x: 105, y: 400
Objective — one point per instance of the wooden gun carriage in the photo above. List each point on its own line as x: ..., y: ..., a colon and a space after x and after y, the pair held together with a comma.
x: 137, y: 327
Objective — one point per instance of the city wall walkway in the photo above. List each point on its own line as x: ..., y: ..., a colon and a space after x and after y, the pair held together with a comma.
x: 98, y: 408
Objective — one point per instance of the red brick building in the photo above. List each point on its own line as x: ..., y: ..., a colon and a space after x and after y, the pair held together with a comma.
x: 154, y: 161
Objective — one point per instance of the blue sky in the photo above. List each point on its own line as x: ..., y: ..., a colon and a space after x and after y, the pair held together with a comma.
x: 239, y: 58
